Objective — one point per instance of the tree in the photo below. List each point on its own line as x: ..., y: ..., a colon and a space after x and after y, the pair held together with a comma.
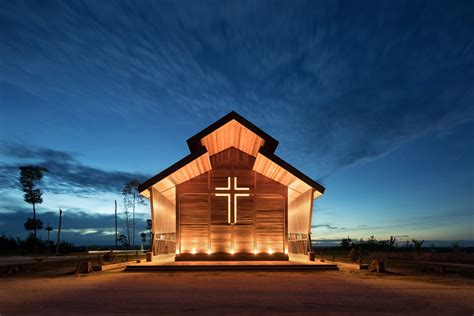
x: 123, y: 240
x: 132, y: 198
x: 29, y: 176
x: 32, y: 224
x: 417, y: 245
x: 127, y: 226
x: 346, y: 243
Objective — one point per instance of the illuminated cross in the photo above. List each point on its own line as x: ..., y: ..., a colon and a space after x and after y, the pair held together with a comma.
x: 232, y: 187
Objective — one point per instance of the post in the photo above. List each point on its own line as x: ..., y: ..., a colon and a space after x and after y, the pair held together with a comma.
x: 59, y: 230
x: 310, y: 245
x: 34, y: 223
x: 116, y: 224
x: 49, y: 243
x: 311, y: 255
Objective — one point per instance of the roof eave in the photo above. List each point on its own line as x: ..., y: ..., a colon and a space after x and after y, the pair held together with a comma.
x: 300, y: 175
x: 176, y: 166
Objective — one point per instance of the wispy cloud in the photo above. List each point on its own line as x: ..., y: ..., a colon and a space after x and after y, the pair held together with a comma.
x: 65, y: 173
x: 330, y: 80
x: 326, y: 226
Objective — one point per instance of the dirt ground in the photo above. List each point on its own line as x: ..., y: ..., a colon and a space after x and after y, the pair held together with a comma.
x: 317, y: 292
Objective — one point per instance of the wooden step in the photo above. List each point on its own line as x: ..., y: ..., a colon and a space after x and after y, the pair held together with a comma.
x: 230, y: 267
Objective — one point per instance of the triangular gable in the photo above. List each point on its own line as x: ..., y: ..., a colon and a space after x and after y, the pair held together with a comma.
x: 232, y: 131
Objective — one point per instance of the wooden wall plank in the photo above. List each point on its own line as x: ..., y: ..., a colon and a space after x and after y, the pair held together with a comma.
x: 221, y: 239
x: 194, y: 220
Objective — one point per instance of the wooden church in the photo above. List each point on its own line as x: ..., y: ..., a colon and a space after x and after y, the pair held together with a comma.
x: 231, y: 198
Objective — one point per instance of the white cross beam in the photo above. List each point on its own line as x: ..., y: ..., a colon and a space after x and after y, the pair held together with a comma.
x: 229, y: 197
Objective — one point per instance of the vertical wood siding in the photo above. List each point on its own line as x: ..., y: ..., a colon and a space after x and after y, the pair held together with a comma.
x: 261, y: 222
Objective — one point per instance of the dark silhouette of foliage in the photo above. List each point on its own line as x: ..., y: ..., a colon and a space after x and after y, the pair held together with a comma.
x: 67, y: 247
x: 27, y: 245
x: 371, y: 244
x: 456, y: 247
x: 417, y: 245
x: 31, y: 243
x: 123, y: 240
x: 29, y: 176
x: 346, y: 243
x: 149, y: 227
x: 32, y: 224
x: 143, y: 237
x: 8, y: 243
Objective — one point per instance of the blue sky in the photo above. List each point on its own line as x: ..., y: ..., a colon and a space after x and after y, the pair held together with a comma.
x: 373, y: 99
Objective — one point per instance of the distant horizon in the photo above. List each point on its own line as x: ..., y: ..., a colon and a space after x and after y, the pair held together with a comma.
x: 321, y: 242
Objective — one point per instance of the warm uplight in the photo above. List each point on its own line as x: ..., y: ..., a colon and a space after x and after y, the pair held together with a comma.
x: 177, y: 251
x: 193, y: 251
x: 270, y: 251
x: 286, y: 251
x: 209, y: 252
x: 255, y: 252
x: 232, y: 252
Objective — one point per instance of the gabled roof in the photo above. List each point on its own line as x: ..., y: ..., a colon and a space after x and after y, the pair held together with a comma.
x: 231, y: 130
x: 194, y: 142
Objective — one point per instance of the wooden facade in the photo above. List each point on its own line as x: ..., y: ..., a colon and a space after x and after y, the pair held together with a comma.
x: 257, y: 225
x: 227, y: 205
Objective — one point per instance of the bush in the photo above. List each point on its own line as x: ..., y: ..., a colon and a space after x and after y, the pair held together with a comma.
x: 8, y: 243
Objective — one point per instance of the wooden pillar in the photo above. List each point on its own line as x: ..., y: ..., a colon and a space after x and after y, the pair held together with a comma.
x: 285, y: 231
x: 152, y: 241
x: 209, y: 212
x: 310, y: 246
x: 178, y: 231
x: 254, y: 211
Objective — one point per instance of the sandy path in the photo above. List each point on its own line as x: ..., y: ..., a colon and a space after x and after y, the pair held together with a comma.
x: 335, y: 292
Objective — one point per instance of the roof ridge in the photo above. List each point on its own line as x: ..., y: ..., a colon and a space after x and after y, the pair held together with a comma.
x: 270, y: 144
